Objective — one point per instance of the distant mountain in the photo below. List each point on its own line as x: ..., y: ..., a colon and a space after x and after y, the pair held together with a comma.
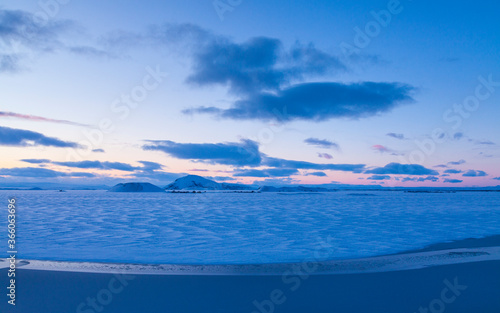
x: 294, y: 189
x: 226, y: 186
x: 194, y: 182
x: 51, y: 186
x: 136, y: 187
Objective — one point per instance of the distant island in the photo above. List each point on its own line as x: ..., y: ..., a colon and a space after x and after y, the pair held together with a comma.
x: 136, y: 187
x: 198, y: 183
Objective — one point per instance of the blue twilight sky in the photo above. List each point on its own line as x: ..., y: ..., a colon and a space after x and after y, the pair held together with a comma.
x: 396, y: 93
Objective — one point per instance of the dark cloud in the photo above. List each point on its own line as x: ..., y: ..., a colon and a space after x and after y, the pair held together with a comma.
x: 317, y: 102
x: 325, y: 156
x: 452, y: 171
x: 397, y: 136
x: 26, y: 138
x: 282, y: 163
x: 258, y: 64
x: 269, y: 77
x: 323, y: 143
x: 402, y: 169
x: 274, y: 172
x: 319, y: 174
x: 473, y: 173
x: 379, y: 177
x: 244, y: 153
x: 35, y: 172
x: 98, y: 150
x: 453, y: 181
x: 497, y: 178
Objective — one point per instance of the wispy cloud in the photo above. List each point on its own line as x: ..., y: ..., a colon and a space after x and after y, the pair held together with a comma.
x: 273, y: 172
x: 322, y: 143
x: 420, y: 179
x: 38, y: 118
x: 325, y: 156
x: 283, y: 163
x: 397, y: 136
x: 459, y: 162
x: 484, y: 142
x: 24, y: 31
x: 98, y: 165
x: 36, y: 172
x: 381, y: 148
x: 36, y: 161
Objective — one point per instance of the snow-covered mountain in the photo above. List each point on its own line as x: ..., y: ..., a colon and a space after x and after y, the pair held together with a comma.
x: 136, y: 187
x: 194, y: 182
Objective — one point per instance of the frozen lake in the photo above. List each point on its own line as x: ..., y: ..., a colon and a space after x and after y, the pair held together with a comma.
x: 242, y: 228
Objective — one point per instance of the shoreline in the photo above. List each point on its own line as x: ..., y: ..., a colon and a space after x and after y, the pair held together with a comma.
x: 461, y: 280
x: 456, y: 252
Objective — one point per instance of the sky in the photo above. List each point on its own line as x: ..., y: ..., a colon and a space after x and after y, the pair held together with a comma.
x: 391, y: 93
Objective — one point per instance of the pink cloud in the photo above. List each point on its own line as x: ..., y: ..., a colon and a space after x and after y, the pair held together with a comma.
x: 325, y: 156
x: 381, y: 149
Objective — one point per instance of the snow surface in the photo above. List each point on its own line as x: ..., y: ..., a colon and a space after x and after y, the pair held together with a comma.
x: 386, y: 263
x: 217, y: 227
